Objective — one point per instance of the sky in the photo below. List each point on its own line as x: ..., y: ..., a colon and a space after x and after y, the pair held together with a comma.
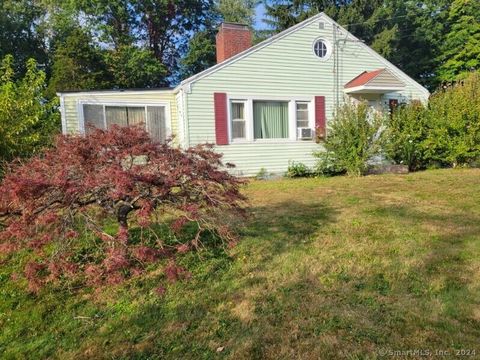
x: 260, y: 12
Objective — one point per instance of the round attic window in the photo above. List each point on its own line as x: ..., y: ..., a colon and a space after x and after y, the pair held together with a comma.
x: 322, y: 49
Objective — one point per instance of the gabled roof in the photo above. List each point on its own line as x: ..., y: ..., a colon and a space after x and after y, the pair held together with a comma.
x: 377, y: 81
x: 363, y: 78
x: 286, y: 33
x: 252, y: 49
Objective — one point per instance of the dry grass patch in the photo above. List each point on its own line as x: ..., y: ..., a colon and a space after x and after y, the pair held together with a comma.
x: 327, y: 269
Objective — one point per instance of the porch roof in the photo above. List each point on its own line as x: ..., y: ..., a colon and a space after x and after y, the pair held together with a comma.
x: 378, y: 81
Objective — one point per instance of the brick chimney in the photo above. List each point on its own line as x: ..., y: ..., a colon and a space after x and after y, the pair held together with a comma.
x: 232, y: 39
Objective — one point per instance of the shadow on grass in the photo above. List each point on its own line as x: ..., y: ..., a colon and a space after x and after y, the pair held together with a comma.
x: 229, y: 304
x: 195, y: 316
x: 432, y: 306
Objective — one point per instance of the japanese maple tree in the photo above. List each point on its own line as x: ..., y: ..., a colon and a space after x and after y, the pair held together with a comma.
x: 53, y: 202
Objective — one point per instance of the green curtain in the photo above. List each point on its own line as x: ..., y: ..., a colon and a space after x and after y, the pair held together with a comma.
x: 270, y: 119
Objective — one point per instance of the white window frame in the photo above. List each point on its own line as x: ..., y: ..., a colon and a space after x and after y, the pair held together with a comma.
x: 292, y: 117
x: 296, y: 111
x: 246, y: 115
x: 126, y: 103
x: 328, y: 44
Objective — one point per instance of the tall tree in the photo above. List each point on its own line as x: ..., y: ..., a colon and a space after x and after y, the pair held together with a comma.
x: 406, y: 32
x: 461, y: 48
x: 19, y: 32
x: 115, y: 21
x: 201, y: 47
x: 167, y: 25
x: 282, y: 14
x: 134, y: 67
x: 238, y: 11
x: 409, y: 34
x: 78, y: 64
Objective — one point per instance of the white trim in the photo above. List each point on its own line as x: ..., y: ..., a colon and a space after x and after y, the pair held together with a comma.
x: 249, y: 128
x: 63, y: 115
x: 113, y: 92
x: 328, y: 45
x: 246, y: 115
x: 378, y: 89
x: 145, y: 104
x: 181, y: 118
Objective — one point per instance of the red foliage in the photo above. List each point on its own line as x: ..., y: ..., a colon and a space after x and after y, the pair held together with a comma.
x: 53, y: 200
x: 173, y: 272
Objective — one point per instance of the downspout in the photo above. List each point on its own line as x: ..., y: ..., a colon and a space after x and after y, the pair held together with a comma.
x: 335, y: 98
x: 62, y: 113
x: 186, y: 90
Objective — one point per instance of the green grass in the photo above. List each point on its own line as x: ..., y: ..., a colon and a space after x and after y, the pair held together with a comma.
x: 327, y: 268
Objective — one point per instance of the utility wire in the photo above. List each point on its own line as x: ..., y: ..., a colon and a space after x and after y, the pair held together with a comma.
x: 374, y: 21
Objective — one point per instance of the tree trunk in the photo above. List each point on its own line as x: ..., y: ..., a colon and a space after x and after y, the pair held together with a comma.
x: 122, y: 214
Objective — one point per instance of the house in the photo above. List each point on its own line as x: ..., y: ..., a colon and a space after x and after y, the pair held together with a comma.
x: 261, y: 105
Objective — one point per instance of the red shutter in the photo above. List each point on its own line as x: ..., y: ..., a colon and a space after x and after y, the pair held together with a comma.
x: 320, y: 119
x: 221, y: 118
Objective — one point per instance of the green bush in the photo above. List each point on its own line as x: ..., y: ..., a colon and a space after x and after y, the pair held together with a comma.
x: 453, y: 120
x: 353, y: 138
x: 298, y: 169
x: 28, y: 120
x: 327, y: 164
x: 404, y: 135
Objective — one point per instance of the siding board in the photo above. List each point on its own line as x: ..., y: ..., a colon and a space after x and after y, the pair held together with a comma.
x: 287, y: 67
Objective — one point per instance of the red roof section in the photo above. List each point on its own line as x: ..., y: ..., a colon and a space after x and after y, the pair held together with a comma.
x: 363, y: 78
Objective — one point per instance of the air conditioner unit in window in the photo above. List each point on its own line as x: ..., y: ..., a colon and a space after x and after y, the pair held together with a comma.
x: 304, y: 133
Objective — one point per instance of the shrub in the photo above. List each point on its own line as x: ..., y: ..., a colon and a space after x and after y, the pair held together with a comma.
x: 327, y: 164
x: 48, y: 203
x: 404, y: 135
x: 353, y: 138
x: 27, y: 120
x: 262, y: 174
x: 297, y: 169
x: 453, y: 118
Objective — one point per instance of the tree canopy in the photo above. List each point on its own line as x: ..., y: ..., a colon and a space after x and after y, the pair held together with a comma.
x: 48, y: 205
x: 98, y: 44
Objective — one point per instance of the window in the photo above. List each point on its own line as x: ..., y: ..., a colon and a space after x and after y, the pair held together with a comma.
x: 103, y: 116
x: 124, y: 115
x: 265, y: 119
x: 270, y: 119
x: 321, y: 48
x: 93, y: 117
x: 238, y: 120
x: 156, y: 123
x: 302, y: 114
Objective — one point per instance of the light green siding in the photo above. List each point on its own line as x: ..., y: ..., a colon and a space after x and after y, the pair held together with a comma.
x: 287, y: 67
x: 71, y: 101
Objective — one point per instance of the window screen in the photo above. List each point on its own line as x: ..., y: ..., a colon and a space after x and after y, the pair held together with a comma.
x: 93, y: 116
x: 302, y: 114
x: 238, y: 120
x: 156, y: 124
x: 153, y: 117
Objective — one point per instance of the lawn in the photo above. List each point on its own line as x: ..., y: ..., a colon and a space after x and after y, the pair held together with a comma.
x: 326, y: 269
